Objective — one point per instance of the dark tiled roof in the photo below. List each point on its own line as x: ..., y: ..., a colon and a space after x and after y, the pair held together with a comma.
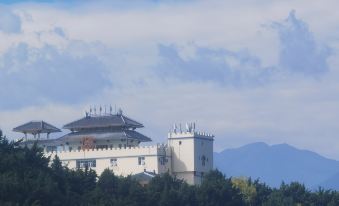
x: 130, y: 134
x: 103, y: 121
x: 136, y: 135
x: 144, y: 176
x: 35, y: 127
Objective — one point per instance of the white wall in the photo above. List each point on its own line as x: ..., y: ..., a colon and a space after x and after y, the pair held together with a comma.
x: 127, y: 159
x: 184, y: 159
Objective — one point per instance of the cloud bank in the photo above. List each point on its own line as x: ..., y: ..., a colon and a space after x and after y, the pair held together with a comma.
x: 214, y: 63
x: 35, y: 76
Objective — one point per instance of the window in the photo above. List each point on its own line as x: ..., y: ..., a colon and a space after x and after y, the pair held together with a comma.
x: 114, y: 162
x: 179, y: 142
x: 203, y: 160
x: 141, y: 160
x: 162, y: 160
x: 86, y: 163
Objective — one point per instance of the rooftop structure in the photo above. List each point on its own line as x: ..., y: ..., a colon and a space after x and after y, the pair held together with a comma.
x: 92, y: 131
x: 103, y: 121
x: 144, y: 177
x: 107, y: 130
x: 36, y: 128
x: 106, y: 134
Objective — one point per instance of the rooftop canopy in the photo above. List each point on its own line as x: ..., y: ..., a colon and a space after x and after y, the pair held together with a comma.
x: 111, y: 120
x: 36, y: 127
x: 126, y: 134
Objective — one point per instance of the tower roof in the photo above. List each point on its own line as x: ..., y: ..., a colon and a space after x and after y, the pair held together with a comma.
x: 36, y: 127
x: 116, y: 120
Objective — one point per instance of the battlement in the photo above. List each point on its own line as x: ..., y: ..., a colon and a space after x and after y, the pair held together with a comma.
x: 158, y: 149
x: 188, y: 132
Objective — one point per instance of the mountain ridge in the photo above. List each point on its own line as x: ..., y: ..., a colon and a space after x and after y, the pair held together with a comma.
x: 274, y: 164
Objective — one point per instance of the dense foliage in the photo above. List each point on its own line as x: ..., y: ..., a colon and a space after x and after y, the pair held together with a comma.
x: 28, y: 178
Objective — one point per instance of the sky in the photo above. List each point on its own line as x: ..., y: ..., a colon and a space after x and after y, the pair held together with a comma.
x: 245, y: 71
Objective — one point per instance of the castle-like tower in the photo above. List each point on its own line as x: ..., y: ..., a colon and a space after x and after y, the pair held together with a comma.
x: 191, y: 153
x: 111, y: 141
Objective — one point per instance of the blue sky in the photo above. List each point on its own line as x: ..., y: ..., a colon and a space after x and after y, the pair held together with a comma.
x: 246, y: 71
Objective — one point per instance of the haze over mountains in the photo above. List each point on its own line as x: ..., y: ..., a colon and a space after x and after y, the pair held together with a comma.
x: 277, y: 163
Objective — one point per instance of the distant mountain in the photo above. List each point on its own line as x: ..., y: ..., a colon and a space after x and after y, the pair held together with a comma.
x: 277, y: 163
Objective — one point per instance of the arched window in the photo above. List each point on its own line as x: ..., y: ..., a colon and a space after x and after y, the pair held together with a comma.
x: 203, y: 160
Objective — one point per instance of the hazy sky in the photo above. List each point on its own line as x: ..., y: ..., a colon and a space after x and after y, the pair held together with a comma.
x: 245, y: 71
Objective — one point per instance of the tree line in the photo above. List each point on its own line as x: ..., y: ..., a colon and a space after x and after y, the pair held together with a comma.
x: 29, y: 178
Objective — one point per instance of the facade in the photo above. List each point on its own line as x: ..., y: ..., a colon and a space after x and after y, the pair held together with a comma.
x: 111, y: 141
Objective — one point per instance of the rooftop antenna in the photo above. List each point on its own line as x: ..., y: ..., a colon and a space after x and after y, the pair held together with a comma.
x: 95, y: 110
x: 100, y: 109
x: 90, y: 110
x: 120, y: 111
x: 110, y: 109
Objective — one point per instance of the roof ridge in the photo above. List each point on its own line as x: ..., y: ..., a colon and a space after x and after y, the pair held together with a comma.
x: 123, y: 119
x: 130, y: 119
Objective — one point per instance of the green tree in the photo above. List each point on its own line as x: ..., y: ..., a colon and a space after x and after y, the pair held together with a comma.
x: 81, y: 185
x: 217, y: 190
x: 247, y: 189
x: 263, y: 191
x: 25, y: 178
x: 290, y: 194
x: 164, y: 190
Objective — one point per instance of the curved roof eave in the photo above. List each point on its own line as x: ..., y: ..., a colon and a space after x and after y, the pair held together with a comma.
x: 102, y: 122
x: 36, y: 127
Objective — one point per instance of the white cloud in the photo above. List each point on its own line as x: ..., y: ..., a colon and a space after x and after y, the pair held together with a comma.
x: 299, y: 50
x: 223, y: 36
x: 35, y: 76
x: 9, y: 21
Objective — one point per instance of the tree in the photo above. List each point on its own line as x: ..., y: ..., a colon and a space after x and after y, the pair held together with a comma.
x: 25, y: 178
x: 164, y: 190
x: 263, y: 191
x: 290, y: 194
x: 130, y: 192
x: 216, y: 190
x: 247, y: 189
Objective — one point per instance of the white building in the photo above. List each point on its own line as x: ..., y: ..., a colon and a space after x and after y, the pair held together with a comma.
x: 111, y: 141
